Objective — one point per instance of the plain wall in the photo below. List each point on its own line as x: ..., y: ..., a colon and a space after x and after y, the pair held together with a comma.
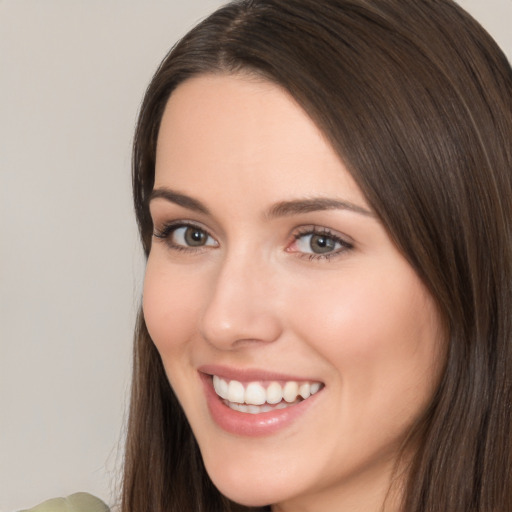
x: 72, y: 75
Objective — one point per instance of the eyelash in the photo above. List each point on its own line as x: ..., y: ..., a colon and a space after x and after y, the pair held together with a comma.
x: 166, y: 231
x: 327, y: 233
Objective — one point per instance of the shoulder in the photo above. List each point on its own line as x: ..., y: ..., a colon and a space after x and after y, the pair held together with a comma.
x: 79, y: 502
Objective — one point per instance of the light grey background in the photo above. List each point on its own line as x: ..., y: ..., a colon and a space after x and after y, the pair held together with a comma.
x: 72, y: 75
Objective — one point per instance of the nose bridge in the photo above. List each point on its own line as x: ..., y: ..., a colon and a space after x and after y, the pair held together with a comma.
x: 240, y: 305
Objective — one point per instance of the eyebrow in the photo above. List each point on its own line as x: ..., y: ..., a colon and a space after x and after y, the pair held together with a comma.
x: 280, y: 209
x: 298, y: 206
x: 179, y: 199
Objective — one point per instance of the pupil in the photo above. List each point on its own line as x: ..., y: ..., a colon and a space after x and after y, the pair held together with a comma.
x: 194, y: 237
x: 321, y: 244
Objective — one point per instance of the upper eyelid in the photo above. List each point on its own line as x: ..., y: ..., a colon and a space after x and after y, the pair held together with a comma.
x: 165, y: 229
x: 322, y: 230
x: 297, y: 231
x: 166, y: 218
x: 175, y: 224
x: 346, y: 242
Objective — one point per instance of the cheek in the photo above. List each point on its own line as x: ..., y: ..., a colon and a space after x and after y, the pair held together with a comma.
x: 350, y: 315
x: 170, y: 308
x: 384, y: 346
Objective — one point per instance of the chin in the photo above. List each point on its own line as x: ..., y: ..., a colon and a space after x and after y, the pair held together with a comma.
x: 249, y: 487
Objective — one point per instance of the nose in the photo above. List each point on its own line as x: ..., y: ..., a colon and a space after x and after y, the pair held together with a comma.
x: 242, y: 307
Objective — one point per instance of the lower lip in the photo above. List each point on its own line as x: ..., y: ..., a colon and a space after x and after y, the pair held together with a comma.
x: 253, y: 425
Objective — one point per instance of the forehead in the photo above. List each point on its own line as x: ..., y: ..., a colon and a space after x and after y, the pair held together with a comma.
x: 241, y: 112
x: 246, y: 132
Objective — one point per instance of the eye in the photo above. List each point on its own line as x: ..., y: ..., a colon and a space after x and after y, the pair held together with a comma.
x: 185, y: 236
x: 191, y: 236
x: 319, y: 243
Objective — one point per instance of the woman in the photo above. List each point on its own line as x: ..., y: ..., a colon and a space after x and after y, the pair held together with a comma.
x: 323, y: 191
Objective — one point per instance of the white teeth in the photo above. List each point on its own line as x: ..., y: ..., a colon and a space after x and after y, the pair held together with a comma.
x: 255, y: 394
x: 274, y: 393
x: 238, y: 407
x: 220, y: 386
x: 315, y: 387
x: 253, y: 398
x: 257, y: 409
x: 290, y: 391
x: 305, y: 390
x: 236, y: 392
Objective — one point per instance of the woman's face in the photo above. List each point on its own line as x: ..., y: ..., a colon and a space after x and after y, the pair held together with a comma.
x: 270, y: 275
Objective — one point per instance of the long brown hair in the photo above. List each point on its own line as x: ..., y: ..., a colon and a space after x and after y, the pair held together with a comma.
x: 416, y: 98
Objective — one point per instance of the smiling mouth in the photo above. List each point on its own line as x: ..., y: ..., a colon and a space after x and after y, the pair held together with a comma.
x: 257, y: 397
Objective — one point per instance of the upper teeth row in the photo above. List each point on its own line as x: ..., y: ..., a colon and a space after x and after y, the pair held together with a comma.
x: 254, y: 393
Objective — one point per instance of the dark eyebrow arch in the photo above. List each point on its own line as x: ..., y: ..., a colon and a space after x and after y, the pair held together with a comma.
x: 298, y: 206
x: 281, y: 209
x: 179, y: 199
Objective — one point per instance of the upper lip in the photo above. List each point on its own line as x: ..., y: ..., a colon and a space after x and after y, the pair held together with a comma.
x: 250, y: 374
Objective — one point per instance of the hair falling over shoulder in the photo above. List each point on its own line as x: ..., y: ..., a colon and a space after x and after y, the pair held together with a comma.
x: 416, y: 98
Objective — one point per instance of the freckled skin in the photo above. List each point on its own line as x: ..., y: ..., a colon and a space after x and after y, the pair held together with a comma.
x: 257, y: 296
